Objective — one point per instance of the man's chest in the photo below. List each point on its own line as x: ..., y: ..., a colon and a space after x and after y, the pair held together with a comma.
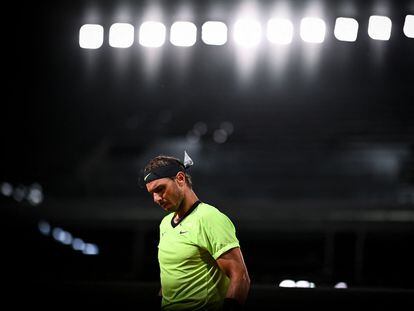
x: 179, y: 244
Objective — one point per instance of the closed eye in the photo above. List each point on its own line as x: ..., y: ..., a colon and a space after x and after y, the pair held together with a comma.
x: 158, y: 189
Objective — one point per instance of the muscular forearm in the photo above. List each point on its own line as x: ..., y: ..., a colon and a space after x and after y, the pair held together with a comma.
x: 232, y: 264
x: 239, y: 288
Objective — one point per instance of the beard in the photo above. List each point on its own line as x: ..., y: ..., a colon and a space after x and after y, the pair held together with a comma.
x: 174, y: 205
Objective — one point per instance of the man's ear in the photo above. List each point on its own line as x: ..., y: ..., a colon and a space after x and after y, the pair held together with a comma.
x: 180, y: 178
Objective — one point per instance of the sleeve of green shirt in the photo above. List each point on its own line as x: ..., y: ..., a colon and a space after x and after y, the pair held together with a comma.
x: 217, y: 233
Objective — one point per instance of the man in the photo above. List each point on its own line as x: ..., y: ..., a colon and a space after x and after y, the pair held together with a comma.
x: 201, y: 264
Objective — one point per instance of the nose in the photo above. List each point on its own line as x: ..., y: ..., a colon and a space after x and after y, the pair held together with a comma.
x: 157, y: 198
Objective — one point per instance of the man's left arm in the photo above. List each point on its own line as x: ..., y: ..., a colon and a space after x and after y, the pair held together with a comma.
x: 232, y: 264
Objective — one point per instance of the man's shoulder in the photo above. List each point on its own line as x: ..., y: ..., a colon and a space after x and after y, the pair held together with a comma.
x: 205, y: 208
x: 167, y: 219
x: 208, y: 210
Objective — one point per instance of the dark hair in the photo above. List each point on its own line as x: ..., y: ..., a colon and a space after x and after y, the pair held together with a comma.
x: 163, y: 160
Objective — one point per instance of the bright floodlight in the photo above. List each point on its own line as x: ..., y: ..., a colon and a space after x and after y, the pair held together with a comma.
x: 91, y: 36
x: 409, y: 26
x: 152, y: 34
x: 214, y: 33
x: 346, y: 29
x: 279, y: 30
x: 247, y: 32
x: 312, y: 30
x: 121, y: 35
x: 287, y: 283
x: 183, y: 34
x: 379, y: 27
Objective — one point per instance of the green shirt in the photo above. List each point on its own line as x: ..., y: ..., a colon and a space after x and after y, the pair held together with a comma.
x: 187, y: 253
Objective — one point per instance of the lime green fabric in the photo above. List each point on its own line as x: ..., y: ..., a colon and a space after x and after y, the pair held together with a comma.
x: 187, y: 253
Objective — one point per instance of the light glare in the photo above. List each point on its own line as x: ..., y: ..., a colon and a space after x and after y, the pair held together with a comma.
x: 279, y: 31
x: 247, y: 32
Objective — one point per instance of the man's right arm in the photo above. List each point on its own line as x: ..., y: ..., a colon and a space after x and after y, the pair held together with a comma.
x: 232, y: 264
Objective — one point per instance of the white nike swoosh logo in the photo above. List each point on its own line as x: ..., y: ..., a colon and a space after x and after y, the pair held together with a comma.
x: 145, y: 178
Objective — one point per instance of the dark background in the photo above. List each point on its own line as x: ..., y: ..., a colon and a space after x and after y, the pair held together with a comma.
x: 317, y: 173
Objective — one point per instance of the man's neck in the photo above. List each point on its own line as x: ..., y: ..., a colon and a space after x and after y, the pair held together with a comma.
x: 189, y: 199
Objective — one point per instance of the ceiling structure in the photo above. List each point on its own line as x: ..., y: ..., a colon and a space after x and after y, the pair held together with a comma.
x: 325, y: 123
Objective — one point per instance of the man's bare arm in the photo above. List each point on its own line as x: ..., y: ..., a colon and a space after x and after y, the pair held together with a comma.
x: 232, y: 263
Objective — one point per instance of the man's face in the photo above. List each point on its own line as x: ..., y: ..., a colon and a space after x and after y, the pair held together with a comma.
x: 167, y: 193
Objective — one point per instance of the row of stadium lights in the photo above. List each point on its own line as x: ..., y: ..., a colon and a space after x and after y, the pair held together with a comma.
x: 246, y: 32
x: 306, y: 284
x: 66, y: 238
x: 32, y: 193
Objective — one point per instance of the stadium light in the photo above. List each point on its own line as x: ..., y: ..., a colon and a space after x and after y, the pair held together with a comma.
x: 152, y: 34
x: 346, y: 29
x: 183, y: 34
x: 379, y: 27
x: 247, y: 32
x: 214, y: 33
x: 91, y: 36
x: 121, y: 35
x: 409, y: 26
x: 312, y: 30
